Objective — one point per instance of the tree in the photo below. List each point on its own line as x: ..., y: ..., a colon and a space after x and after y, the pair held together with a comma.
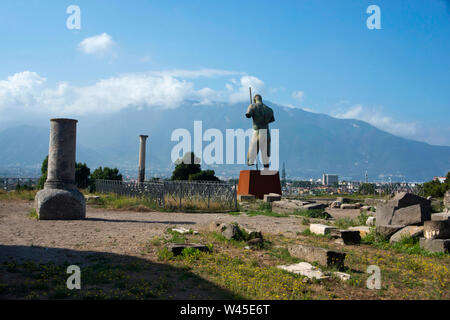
x: 82, y: 173
x: 106, y: 173
x: 434, y: 188
x: 185, y: 167
x: 43, y: 177
x: 204, y: 175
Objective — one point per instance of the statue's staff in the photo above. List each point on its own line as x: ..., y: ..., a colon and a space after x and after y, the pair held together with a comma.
x: 251, y: 102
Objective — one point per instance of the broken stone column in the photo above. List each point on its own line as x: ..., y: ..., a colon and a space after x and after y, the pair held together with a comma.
x: 143, y: 140
x: 60, y: 198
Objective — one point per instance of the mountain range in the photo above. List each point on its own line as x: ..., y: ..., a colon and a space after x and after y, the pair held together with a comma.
x: 309, y: 143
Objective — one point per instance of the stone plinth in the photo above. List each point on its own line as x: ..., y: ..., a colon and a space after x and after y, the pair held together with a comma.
x: 271, y: 197
x: 60, y: 199
x: 435, y: 245
x: 315, y: 254
x: 259, y: 183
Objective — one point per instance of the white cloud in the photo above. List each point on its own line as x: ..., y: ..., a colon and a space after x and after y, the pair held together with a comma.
x: 28, y: 92
x: 375, y: 117
x: 298, y: 95
x: 98, y: 45
x: 240, y: 92
x: 202, y: 73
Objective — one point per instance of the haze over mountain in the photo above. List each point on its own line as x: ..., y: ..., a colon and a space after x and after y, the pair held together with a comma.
x: 310, y: 143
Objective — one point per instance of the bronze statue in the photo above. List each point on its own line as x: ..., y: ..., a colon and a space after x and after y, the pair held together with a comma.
x: 262, y: 115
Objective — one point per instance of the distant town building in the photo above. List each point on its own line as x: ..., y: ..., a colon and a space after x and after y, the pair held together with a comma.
x: 329, y: 179
x: 440, y: 179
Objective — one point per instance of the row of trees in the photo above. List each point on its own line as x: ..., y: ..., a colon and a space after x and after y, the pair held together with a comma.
x: 83, y: 177
x: 435, y: 188
x: 186, y: 168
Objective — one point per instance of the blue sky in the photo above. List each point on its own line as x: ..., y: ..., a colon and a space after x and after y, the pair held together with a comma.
x: 316, y: 55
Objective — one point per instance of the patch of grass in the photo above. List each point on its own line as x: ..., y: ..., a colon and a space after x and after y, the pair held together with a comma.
x: 408, y: 245
x: 345, y: 223
x: 362, y: 218
x: 176, y: 237
x: 305, y: 221
x: 156, y: 241
x: 312, y: 213
x: 437, y: 207
x: 220, y: 238
x: 164, y: 254
x: 27, y: 195
x: 265, y: 206
x: 191, y: 254
x: 33, y: 214
x: 307, y: 232
x: 283, y: 255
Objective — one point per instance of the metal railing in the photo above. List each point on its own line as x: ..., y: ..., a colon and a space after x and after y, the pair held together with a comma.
x: 10, y: 183
x: 189, y: 195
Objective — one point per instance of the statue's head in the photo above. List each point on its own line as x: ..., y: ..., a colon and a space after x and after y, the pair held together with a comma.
x: 257, y: 98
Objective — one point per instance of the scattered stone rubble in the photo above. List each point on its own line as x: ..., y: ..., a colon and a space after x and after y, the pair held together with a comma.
x: 311, y: 272
x: 234, y: 231
x: 409, y: 215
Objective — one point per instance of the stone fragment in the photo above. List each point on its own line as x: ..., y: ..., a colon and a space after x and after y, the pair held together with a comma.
x: 252, y: 233
x: 406, y: 199
x: 321, y: 229
x: 440, y: 216
x: 404, y: 208
x: 178, y: 248
x: 335, y: 204
x: 350, y: 236
x: 370, y: 221
x: 363, y: 230
x: 314, y: 206
x: 408, y: 231
x: 384, y: 214
x: 304, y: 269
x: 287, y: 205
x: 410, y: 215
x: 349, y: 206
x: 387, y: 230
x: 436, y: 229
x: 245, y: 197
x: 341, y: 275
x: 435, y: 245
x: 228, y: 230
x: 184, y: 231
x: 320, y: 255
x: 271, y: 197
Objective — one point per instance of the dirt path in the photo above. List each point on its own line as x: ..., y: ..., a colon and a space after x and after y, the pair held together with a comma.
x: 119, y: 232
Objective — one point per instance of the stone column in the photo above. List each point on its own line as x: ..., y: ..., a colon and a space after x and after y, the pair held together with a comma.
x: 143, y: 140
x: 60, y: 198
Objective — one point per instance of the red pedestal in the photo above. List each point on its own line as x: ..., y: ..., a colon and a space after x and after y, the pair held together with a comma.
x: 258, y: 184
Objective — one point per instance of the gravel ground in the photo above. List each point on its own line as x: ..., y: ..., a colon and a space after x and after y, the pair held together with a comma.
x: 120, y: 232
